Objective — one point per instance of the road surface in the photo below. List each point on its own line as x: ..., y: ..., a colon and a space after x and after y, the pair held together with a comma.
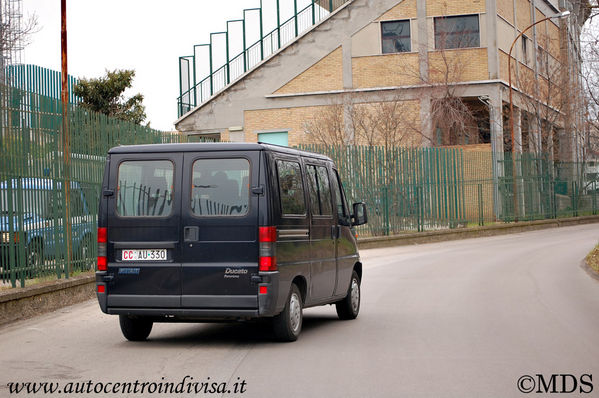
x: 456, y: 319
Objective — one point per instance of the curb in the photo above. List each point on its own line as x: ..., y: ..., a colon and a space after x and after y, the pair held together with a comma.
x: 468, y: 233
x: 22, y: 303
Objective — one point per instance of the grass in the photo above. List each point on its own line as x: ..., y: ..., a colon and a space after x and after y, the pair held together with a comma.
x: 43, y: 279
x: 593, y: 259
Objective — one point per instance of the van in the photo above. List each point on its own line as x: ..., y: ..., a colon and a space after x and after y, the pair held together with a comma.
x: 224, y: 232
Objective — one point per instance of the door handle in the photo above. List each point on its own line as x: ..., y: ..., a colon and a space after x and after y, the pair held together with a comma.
x: 191, y: 234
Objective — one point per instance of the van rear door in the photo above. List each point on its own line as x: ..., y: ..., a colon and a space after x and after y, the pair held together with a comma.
x: 144, y: 226
x: 219, y: 251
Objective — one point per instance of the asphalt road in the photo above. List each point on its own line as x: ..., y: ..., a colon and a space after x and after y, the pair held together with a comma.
x: 458, y: 319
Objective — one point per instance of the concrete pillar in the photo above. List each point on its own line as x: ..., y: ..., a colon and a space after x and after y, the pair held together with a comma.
x: 534, y: 134
x: 517, y: 130
x: 426, y: 122
x: 422, y: 39
x: 347, y: 63
x: 496, y: 125
x: 492, y: 49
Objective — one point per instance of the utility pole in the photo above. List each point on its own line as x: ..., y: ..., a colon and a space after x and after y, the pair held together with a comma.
x: 65, y: 138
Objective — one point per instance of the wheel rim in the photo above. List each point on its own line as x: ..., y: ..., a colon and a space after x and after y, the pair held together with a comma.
x: 85, y: 252
x: 33, y: 258
x: 295, y: 312
x: 355, y: 295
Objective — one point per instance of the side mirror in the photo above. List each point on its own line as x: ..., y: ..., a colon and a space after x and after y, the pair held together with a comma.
x: 360, y: 215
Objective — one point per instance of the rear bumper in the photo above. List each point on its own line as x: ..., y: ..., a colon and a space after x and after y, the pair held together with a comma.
x: 191, y: 314
x: 225, y: 307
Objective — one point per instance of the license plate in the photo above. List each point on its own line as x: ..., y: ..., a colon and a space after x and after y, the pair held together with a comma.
x: 144, y: 255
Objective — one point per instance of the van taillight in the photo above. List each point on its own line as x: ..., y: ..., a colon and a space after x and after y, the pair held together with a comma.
x: 267, y: 237
x: 102, y: 240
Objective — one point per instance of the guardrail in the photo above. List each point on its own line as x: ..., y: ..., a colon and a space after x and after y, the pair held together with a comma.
x: 194, y: 92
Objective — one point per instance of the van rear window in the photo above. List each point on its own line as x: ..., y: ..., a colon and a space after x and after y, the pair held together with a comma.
x: 145, y: 188
x: 220, y: 187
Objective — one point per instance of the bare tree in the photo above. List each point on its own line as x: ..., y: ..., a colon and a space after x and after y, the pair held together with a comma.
x: 14, y: 32
x: 544, y: 95
x: 590, y: 74
x: 450, y: 111
x: 371, y: 120
x: 327, y: 127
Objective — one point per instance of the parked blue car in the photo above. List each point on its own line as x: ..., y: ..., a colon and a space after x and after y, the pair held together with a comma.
x: 31, y: 222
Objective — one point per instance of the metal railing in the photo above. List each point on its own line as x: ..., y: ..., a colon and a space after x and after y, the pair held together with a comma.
x: 194, y: 92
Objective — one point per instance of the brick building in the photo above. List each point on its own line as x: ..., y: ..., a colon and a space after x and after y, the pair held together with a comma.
x: 371, y: 52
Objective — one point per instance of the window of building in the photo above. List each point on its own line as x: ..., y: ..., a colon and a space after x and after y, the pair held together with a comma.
x: 291, y: 189
x: 396, y: 37
x: 276, y: 138
x: 457, y: 32
x: 525, y: 50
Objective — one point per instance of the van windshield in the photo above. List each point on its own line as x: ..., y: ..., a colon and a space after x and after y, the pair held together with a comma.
x: 145, y: 188
x: 220, y: 187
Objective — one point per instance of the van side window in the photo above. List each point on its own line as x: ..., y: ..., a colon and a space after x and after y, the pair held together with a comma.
x: 339, y: 200
x: 145, y: 188
x: 291, y: 190
x: 220, y: 187
x: 320, y: 191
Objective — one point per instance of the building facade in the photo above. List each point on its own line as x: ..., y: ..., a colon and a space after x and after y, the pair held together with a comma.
x: 439, y: 68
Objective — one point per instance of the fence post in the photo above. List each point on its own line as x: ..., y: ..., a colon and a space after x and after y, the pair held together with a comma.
x: 595, y: 200
x: 295, y: 16
x: 574, y: 199
x: 481, y: 218
x: 386, y: 208
x: 419, y: 208
x: 554, y: 199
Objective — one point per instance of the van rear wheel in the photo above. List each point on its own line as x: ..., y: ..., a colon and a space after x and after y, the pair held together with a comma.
x: 288, y: 324
x: 349, y: 307
x: 135, y: 329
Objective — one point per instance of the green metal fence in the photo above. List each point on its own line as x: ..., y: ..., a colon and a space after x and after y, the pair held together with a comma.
x: 418, y: 189
x: 40, y: 80
x: 32, y: 169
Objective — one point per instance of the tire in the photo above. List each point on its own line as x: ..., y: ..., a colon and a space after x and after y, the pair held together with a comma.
x: 349, y: 307
x: 135, y: 329
x: 35, y: 258
x: 288, y: 324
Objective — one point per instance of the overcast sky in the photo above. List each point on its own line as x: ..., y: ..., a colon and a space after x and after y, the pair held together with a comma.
x: 145, y: 35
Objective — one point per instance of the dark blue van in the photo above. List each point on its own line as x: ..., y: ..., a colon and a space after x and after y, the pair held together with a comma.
x: 218, y: 232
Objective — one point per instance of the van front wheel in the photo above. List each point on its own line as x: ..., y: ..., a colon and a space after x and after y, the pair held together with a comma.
x: 288, y: 324
x: 135, y: 329
x: 349, y: 307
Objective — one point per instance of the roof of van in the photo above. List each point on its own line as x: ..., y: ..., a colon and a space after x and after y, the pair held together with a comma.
x: 209, y: 147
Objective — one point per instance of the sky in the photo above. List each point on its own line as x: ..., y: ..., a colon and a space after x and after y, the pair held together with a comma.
x: 145, y: 35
